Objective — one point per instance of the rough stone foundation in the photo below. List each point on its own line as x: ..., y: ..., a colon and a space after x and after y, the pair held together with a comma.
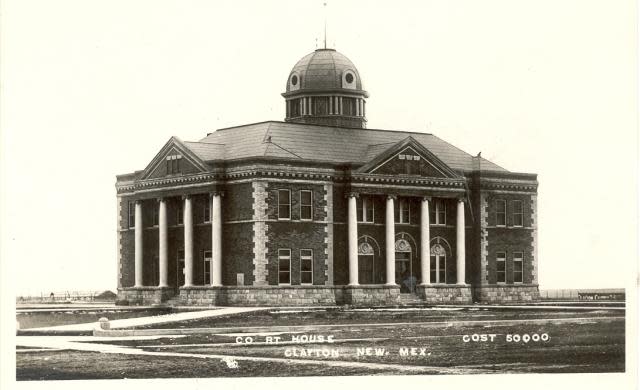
x: 445, y: 293
x: 374, y: 295
x: 507, y: 293
x: 258, y: 296
x: 144, y: 295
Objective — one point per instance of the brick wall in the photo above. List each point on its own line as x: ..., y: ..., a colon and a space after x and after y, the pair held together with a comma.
x: 509, y: 239
x: 295, y: 234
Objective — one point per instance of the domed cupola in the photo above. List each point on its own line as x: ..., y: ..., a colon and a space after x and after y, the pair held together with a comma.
x: 325, y: 88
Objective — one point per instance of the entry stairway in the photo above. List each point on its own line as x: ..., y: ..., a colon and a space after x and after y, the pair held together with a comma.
x: 408, y: 299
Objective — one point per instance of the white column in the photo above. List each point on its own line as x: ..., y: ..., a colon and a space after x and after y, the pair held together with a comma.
x: 390, y: 240
x: 216, y: 239
x: 330, y: 105
x: 340, y: 105
x: 460, y: 243
x: 163, y: 250
x: 425, y: 237
x: 138, y: 245
x: 357, y: 107
x: 353, y: 240
x: 188, y: 240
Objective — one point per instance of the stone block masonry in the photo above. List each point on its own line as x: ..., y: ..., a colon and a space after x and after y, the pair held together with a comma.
x: 507, y: 294
x: 445, y: 294
x: 260, y: 230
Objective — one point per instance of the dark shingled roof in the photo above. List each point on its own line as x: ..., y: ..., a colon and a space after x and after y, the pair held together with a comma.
x: 323, y: 69
x: 317, y: 143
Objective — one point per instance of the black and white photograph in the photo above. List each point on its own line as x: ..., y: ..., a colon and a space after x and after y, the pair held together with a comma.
x: 231, y: 194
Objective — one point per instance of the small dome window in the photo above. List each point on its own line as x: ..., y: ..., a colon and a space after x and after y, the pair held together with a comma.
x: 294, y: 81
x: 349, y: 80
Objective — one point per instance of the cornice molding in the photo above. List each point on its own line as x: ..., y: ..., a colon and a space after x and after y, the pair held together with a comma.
x: 266, y: 173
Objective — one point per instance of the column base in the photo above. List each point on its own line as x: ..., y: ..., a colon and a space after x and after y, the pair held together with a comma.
x: 445, y: 293
x: 146, y: 295
x: 371, y: 295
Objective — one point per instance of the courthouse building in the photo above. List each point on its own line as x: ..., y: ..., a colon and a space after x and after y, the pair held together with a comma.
x: 318, y: 209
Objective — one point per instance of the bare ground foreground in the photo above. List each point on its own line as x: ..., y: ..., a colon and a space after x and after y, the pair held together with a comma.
x: 342, y: 342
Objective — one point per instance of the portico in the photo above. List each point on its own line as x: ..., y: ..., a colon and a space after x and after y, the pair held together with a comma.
x: 215, y: 272
x: 424, y: 244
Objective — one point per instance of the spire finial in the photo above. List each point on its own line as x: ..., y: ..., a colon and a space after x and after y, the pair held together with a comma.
x: 325, y: 24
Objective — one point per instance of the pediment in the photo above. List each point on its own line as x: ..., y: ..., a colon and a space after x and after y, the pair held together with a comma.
x: 174, y: 159
x: 408, y: 157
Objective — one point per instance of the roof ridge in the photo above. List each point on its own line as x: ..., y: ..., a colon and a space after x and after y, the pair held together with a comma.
x: 203, y: 142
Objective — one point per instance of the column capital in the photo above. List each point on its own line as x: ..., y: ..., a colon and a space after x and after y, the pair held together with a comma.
x: 187, y: 196
x: 352, y: 194
x: 461, y: 199
x: 391, y: 196
x: 161, y: 199
x: 427, y: 198
x: 216, y: 193
x: 138, y: 201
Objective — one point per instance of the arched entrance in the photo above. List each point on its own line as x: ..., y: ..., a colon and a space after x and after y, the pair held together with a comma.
x: 404, y: 272
x: 368, y: 253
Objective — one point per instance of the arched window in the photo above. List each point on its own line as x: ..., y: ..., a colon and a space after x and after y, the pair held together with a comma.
x: 365, y: 263
x: 368, y: 253
x: 439, y: 252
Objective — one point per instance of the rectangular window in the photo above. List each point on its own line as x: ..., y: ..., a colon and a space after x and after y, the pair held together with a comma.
x: 207, y: 268
x: 321, y: 105
x: 404, y: 211
x: 179, y: 214
x: 173, y: 164
x: 155, y: 265
x: 306, y: 266
x: 306, y: 205
x: 294, y: 107
x: 349, y: 106
x: 132, y: 214
x: 284, y: 204
x: 365, y: 209
x: 517, y: 267
x: 207, y: 211
x: 501, y: 267
x: 156, y: 216
x: 438, y: 212
x: 518, y: 214
x: 284, y: 266
x: 501, y: 212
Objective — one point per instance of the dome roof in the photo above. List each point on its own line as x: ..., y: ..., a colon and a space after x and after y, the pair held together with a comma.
x: 324, y: 69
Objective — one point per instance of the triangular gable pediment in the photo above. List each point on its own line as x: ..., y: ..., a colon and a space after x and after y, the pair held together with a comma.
x: 408, y: 157
x: 174, y: 159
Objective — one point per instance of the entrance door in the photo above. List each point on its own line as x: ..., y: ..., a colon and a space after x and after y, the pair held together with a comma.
x: 180, y: 269
x: 365, y: 269
x: 404, y: 276
x: 207, y: 268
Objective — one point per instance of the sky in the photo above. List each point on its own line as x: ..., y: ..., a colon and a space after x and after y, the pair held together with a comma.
x: 93, y: 89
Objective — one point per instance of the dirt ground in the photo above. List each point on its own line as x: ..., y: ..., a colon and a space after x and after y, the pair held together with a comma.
x: 596, y: 344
